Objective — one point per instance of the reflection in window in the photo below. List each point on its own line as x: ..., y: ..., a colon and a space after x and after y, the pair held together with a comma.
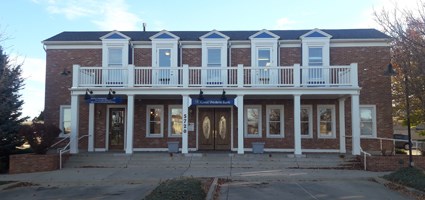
x: 214, y: 57
x: 176, y: 121
x: 306, y: 124
x: 154, y: 120
x: 253, y: 117
x: 315, y: 56
x: 325, y: 121
x: 274, y: 121
x: 264, y: 57
x: 65, y: 120
x: 164, y: 57
x: 367, y: 115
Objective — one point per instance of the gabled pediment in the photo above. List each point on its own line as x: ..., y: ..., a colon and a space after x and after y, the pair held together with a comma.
x: 316, y: 33
x: 115, y: 35
x: 164, y: 35
x: 214, y: 34
x: 264, y: 34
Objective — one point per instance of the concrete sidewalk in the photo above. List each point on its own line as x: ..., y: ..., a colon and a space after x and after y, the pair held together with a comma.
x: 141, y: 172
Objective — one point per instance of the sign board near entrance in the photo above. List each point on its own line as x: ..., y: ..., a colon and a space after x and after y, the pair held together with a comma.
x: 104, y: 100
x: 213, y: 101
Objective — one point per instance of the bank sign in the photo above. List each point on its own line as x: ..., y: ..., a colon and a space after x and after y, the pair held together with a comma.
x: 213, y: 101
x: 104, y: 100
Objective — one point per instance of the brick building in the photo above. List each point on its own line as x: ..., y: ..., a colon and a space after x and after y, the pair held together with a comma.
x: 293, y: 90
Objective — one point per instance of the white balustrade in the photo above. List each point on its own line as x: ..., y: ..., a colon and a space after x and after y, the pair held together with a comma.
x: 234, y: 76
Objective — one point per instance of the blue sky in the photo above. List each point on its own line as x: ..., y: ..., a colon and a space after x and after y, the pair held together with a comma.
x: 27, y: 22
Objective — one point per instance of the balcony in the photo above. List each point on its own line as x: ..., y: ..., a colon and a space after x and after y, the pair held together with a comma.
x: 237, y: 77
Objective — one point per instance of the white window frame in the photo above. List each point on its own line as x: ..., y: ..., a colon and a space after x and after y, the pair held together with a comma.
x: 310, y: 121
x: 259, y: 135
x: 61, y: 118
x: 374, y: 125
x: 333, y: 125
x: 115, y: 43
x: 282, y: 121
x: 148, y: 134
x: 170, y: 107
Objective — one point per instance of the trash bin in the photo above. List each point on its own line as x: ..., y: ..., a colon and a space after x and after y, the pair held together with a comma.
x: 173, y: 147
x: 258, y: 147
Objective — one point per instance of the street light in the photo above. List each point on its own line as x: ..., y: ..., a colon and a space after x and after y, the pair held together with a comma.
x: 390, y: 72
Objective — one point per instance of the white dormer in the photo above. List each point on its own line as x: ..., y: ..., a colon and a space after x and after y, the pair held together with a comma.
x: 315, y: 48
x: 164, y: 49
x: 115, y: 49
x: 214, y: 49
x: 264, y: 49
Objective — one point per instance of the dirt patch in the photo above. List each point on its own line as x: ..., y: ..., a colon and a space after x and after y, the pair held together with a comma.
x: 21, y: 184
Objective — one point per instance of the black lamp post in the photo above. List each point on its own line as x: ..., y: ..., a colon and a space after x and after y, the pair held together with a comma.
x: 390, y: 72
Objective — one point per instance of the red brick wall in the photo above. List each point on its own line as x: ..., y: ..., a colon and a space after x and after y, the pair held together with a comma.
x: 57, y: 86
x: 27, y: 163
x: 192, y: 57
x: 241, y: 56
x: 142, y: 57
x: 290, y: 56
x: 391, y: 163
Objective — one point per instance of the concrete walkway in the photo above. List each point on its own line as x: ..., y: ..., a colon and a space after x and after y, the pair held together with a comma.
x: 119, y: 176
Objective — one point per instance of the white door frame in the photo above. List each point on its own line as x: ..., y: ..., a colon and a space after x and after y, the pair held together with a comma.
x: 107, y: 125
x: 214, y: 106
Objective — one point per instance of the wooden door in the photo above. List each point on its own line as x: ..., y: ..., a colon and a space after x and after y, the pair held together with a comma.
x: 214, y: 128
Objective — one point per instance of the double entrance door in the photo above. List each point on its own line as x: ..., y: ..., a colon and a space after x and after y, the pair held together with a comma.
x: 214, y: 128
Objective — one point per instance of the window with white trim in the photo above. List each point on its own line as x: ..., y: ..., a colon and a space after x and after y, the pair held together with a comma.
x: 252, y: 121
x: 213, y: 57
x: 175, y: 120
x: 326, y: 121
x: 154, y: 120
x: 315, y: 56
x: 275, y: 121
x: 306, y: 121
x: 65, y: 120
x: 368, y: 121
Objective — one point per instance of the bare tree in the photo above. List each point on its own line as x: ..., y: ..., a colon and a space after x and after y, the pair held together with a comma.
x: 407, y: 30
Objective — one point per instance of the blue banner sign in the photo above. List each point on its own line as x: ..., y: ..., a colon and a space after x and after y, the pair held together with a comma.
x: 212, y: 101
x: 104, y: 100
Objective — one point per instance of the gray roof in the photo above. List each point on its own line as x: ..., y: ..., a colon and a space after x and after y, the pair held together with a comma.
x: 233, y: 35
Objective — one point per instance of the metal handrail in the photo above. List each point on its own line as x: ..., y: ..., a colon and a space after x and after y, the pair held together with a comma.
x: 365, y: 154
x: 66, y: 149
x: 60, y: 141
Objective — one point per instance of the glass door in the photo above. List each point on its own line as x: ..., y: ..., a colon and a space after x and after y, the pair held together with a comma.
x: 116, y: 128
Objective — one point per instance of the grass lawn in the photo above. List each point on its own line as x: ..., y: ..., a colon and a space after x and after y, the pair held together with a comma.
x: 176, y: 189
x: 410, y: 176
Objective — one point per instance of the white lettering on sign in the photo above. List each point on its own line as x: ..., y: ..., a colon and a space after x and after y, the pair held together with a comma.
x: 185, y: 123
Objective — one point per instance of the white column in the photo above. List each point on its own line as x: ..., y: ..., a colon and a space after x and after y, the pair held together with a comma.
x: 355, y: 120
x: 297, y: 75
x: 240, y: 75
x: 91, y: 127
x: 75, y: 75
x: 185, y: 137
x: 342, y: 125
x: 75, y: 106
x: 185, y: 76
x: 241, y: 127
x: 130, y: 124
x: 354, y: 75
x: 297, y: 124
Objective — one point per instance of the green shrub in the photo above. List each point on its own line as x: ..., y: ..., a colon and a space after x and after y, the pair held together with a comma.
x: 180, y: 189
x: 40, y: 136
x: 410, y: 176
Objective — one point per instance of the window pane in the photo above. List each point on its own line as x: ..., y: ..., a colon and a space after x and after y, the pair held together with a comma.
x: 253, y: 121
x: 366, y: 121
x: 274, y: 128
x: 164, y: 57
x: 315, y: 56
x: 176, y: 121
x: 155, y: 120
x: 66, y: 123
x: 115, y: 56
x: 304, y: 128
x: 274, y: 115
x: 366, y: 114
x: 366, y: 128
x: 264, y: 57
x: 325, y: 126
x: 325, y: 114
x: 214, y: 57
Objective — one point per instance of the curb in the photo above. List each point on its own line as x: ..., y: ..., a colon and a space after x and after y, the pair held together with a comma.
x: 212, y: 189
x: 4, y: 186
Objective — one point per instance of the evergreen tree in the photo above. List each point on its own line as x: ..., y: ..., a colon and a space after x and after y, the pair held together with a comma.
x: 11, y: 82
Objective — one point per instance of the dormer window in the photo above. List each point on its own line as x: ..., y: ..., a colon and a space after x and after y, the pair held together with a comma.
x: 214, y: 57
x: 115, y: 56
x: 164, y: 58
x: 115, y: 49
x: 264, y: 58
x: 315, y: 57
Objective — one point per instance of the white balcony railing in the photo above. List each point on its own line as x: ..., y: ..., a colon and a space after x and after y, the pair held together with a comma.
x: 240, y: 76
